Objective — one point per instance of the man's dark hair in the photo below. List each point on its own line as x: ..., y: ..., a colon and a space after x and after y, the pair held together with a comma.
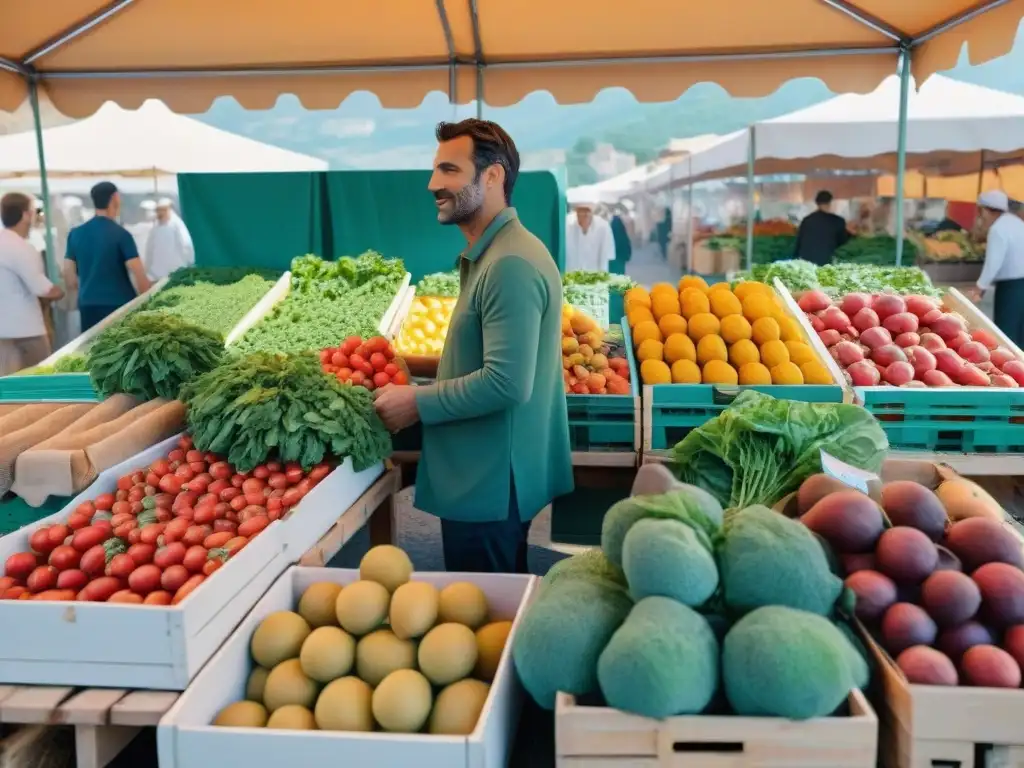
x: 823, y: 198
x: 102, y: 194
x: 491, y: 146
x: 13, y: 206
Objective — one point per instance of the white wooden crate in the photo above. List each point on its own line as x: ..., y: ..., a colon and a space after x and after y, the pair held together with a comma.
x: 185, y: 738
x: 157, y: 647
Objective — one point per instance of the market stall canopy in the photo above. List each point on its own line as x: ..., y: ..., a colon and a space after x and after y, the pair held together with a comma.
x: 950, y: 124
x: 188, y: 52
x: 151, y: 140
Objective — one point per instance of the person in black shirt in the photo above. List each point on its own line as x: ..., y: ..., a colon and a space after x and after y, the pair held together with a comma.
x: 820, y: 232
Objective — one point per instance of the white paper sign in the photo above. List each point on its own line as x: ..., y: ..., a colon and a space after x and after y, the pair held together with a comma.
x: 846, y: 474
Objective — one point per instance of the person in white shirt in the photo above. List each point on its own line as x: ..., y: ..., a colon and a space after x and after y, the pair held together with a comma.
x: 589, y: 242
x: 23, y: 338
x: 1004, y: 264
x: 169, y: 245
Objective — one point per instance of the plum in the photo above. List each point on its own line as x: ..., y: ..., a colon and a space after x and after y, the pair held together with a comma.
x: 875, y: 337
x: 866, y: 318
x: 887, y: 304
x: 905, y: 625
x: 950, y: 597
x: 901, y: 322
x: 848, y: 520
x: 955, y: 641
x: 847, y: 353
x: 875, y: 593
x: 1015, y: 369
x: 974, y: 352
x: 982, y: 336
x: 922, y: 665
x: 922, y: 360
x: 978, y: 541
x: 830, y: 337
x: 899, y: 373
x: 936, y: 379
x: 921, y: 305
x: 909, y: 339
x: 986, y: 666
x: 887, y: 354
x: 814, y: 301
x: 972, y: 376
x: 1002, y: 593
x: 949, y: 362
x: 908, y: 503
x: 932, y: 342
x: 864, y: 374
x: 906, y: 554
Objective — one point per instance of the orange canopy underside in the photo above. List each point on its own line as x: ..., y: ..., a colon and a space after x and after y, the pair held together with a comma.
x: 403, y: 49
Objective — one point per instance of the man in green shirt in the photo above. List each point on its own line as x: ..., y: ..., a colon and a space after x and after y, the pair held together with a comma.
x: 495, y: 431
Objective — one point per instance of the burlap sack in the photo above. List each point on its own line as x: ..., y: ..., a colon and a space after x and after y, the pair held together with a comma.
x: 104, y: 413
x: 12, y: 444
x: 25, y: 416
x: 66, y: 464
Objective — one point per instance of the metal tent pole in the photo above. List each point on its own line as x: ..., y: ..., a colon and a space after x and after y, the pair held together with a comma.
x: 751, y: 159
x: 51, y: 257
x: 901, y: 147
x: 689, y: 215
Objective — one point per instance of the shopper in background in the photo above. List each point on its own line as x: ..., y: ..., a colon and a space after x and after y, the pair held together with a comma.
x: 495, y: 431
x: 623, y: 245
x: 168, y: 245
x: 102, y: 260
x: 821, y: 232
x: 23, y: 338
x: 1004, y: 264
x: 589, y: 241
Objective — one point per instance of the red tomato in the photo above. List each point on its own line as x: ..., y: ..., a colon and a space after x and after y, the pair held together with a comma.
x: 253, y: 525
x: 136, y: 494
x: 6, y: 582
x: 123, y: 530
x: 152, y: 532
x: 215, y: 540
x: 278, y: 480
x: 121, y: 508
x: 172, y: 554
x: 78, y: 521
x: 350, y: 344
x: 378, y: 361
x: 93, y: 561
x: 220, y: 526
x: 142, y: 553
x: 185, y: 513
x: 139, y: 478
x: 339, y: 360
x: 274, y: 505
x: 400, y: 378
x: 185, y: 473
x: 15, y: 593
x: 104, y: 502
x: 391, y: 369
x: 137, y: 507
x: 121, y: 518
x: 65, y: 595
x: 176, y: 529
x: 42, y: 578
x: 125, y: 483
x: 100, y: 590
x: 291, y: 497
x: 160, y: 467
x: 200, y: 483
x: 196, y: 558
x: 160, y: 597
x: 120, y: 496
x: 229, y: 493
x: 356, y: 362
x: 325, y: 356
x: 188, y: 588
x: 120, y: 566
x: 73, y: 579
x: 65, y: 557
x: 125, y: 596
x: 235, y: 545
x: 185, y: 442
x: 358, y: 378
x: 218, y: 485
x: 221, y: 470
x: 193, y: 455
x: 176, y: 455
x: 196, y: 534
x: 250, y: 512
x: 104, y: 525
x: 145, y: 579
x: 185, y: 499
x: 255, y: 499
x: 261, y: 472
x: 205, y: 515
x: 135, y: 536
x: 274, y: 466
x: 171, y: 484
x: 39, y: 541
x: 253, y: 485
x: 343, y: 374
x: 20, y: 565
x: 304, y: 487
x: 212, y: 565
x: 222, y: 510
x: 174, y: 578
x: 319, y: 472
x: 381, y: 379
x: 150, y: 488
x: 86, y: 508
x: 237, y: 480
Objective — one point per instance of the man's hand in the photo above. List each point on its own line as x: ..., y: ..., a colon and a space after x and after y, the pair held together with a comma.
x: 976, y: 294
x: 396, y: 406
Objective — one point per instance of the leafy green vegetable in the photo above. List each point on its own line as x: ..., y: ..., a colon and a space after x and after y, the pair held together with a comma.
x: 263, y: 404
x: 152, y: 354
x: 759, y: 449
x: 795, y: 274
x: 840, y: 279
x: 877, y: 250
x: 73, y: 363
x: 440, y: 284
x: 328, y: 301
x: 614, y: 283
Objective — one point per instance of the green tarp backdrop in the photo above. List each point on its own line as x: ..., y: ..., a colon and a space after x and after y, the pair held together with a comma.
x: 265, y: 219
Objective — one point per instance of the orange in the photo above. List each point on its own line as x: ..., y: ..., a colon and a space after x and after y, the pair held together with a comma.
x: 754, y: 373
x: 765, y: 329
x: 704, y: 324
x: 650, y: 349
x: 735, y: 328
x: 789, y: 329
x: 639, y: 296
x: 723, y: 303
x: 774, y: 353
x: 815, y: 372
x: 669, y: 324
x: 787, y: 373
x: 693, y: 302
x: 692, y: 281
x: 800, y: 353
x: 685, y: 372
x: 637, y: 313
x: 678, y: 346
x: 646, y: 329
x: 742, y: 352
x: 718, y: 372
x: 655, y: 372
x: 756, y: 306
x: 711, y: 348
x: 747, y: 287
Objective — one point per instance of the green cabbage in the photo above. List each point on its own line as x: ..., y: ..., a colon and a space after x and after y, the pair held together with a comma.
x: 760, y: 448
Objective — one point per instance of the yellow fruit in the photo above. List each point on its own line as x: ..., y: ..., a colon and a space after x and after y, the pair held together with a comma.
x: 662, y: 289
x: 789, y: 329
x: 664, y: 304
x: 650, y: 349
x: 447, y: 653
x: 678, y: 346
x: 756, y: 306
x: 636, y: 314
x: 754, y: 373
x: 490, y: 642
x: 463, y: 602
x: 278, y: 638
x: 648, y: 329
x: 787, y: 373
x: 702, y: 325
x: 693, y: 302
x: 774, y: 353
x: 685, y: 372
x: 711, y: 348
x: 669, y: 324
x: 718, y: 372
x: 387, y: 565
x: 723, y: 286
x: 637, y: 296
x: 748, y: 287
x: 800, y: 353
x: 723, y: 303
x: 692, y: 281
x: 742, y: 352
x: 765, y: 329
x: 655, y: 372
x: 458, y: 708
x: 242, y: 714
x: 815, y: 372
x: 734, y: 328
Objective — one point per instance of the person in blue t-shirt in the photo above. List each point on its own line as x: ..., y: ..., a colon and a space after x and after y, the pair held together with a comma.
x: 102, y: 260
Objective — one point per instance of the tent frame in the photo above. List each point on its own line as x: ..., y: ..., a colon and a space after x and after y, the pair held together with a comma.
x: 902, y: 46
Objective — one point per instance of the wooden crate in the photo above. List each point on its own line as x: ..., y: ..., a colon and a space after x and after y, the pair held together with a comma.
x: 599, y: 737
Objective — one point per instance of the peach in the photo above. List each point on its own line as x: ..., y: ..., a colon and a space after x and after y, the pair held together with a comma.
x: 901, y: 322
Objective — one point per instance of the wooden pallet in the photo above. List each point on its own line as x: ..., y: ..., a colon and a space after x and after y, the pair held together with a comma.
x: 105, y: 720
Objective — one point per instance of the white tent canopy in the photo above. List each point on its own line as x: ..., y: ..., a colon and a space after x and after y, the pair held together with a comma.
x: 952, y: 128
x: 151, y: 140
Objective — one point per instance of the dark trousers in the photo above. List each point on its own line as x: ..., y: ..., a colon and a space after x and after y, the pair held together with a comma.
x: 1009, y: 309
x: 94, y: 315
x: 495, y: 547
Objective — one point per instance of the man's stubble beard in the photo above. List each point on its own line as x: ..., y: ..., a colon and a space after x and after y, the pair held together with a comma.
x: 467, y: 203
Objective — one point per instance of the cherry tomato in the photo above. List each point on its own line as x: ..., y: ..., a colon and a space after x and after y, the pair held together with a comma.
x: 261, y: 472
x: 101, y: 589
x: 121, y: 508
x: 6, y: 582
x: 381, y: 379
x: 78, y: 521
x: 400, y: 378
x: 221, y: 470
x: 200, y: 483
x: 39, y: 541
x: 65, y: 595
x: 212, y: 565
x: 188, y: 588
x: 391, y: 369
x: 152, y: 532
x: 164, y: 500
x: 58, y: 533
x: 291, y: 497
x: 176, y: 528
x: 125, y: 483
x: 135, y: 536
x: 14, y: 593
x: 136, y: 494
x: 235, y: 545
x: 171, y: 484
x: 185, y: 442
x: 185, y: 473
x: 358, y: 378
x: 229, y: 493
x: 319, y: 472
x: 86, y: 508
x: 205, y: 515
x: 278, y: 480
x: 196, y: 534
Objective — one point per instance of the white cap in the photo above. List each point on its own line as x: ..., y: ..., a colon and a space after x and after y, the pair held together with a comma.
x: 147, y: 205
x: 995, y: 199
x: 163, y: 202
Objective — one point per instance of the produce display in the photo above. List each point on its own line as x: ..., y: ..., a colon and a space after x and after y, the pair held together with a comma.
x: 937, y: 576
x: 369, y: 364
x: 689, y: 610
x: 948, y: 246
x: 695, y: 333
x: 72, y: 363
x: 587, y: 365
x: 385, y: 652
x: 908, y: 341
x: 442, y: 285
x: 328, y: 300
x: 840, y: 279
x: 152, y: 355
x: 426, y: 326
x: 160, y: 535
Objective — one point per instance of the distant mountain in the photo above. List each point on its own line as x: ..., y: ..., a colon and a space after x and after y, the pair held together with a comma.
x: 360, y: 134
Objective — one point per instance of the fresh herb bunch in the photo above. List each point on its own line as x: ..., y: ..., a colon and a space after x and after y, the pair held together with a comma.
x: 152, y: 354
x: 73, y: 363
x: 263, y: 404
x: 311, y: 274
x: 439, y: 284
x: 215, y: 299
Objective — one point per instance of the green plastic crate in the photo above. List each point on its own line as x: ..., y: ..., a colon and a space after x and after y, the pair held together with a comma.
x: 672, y: 410
x: 607, y: 423
x: 57, y: 387
x: 949, y: 419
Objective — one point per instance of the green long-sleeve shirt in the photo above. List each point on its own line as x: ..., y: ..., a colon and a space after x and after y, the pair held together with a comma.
x: 497, y: 412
